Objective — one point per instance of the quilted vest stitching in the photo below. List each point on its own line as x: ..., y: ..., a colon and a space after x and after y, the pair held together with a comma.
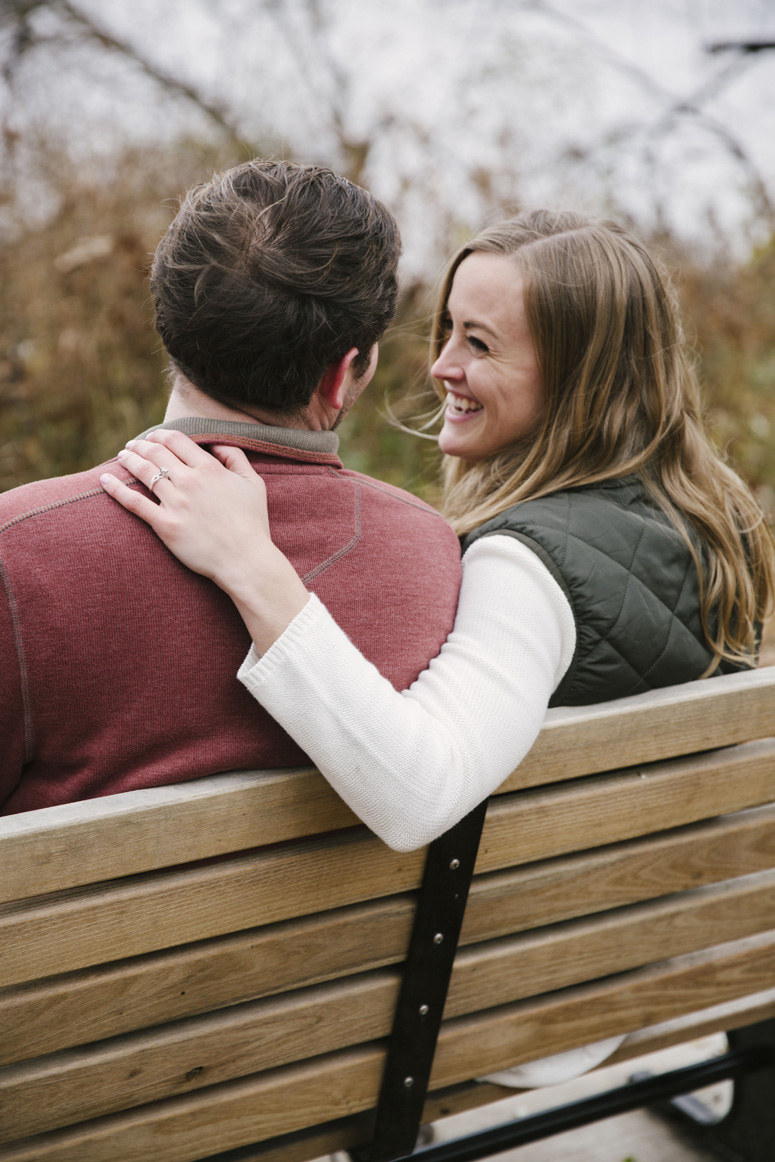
x: 638, y: 624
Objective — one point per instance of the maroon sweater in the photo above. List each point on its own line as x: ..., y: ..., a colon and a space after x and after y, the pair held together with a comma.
x: 118, y: 666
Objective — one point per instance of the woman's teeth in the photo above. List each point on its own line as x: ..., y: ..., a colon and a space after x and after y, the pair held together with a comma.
x: 461, y: 404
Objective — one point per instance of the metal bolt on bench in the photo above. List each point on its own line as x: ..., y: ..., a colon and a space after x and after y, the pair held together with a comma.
x: 449, y: 868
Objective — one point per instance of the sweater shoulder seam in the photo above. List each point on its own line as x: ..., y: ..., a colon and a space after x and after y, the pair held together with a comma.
x: 337, y: 556
x: 21, y: 660
x: 50, y: 507
x: 412, y: 502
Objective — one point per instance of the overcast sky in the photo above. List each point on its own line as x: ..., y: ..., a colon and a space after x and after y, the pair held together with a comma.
x: 460, y: 107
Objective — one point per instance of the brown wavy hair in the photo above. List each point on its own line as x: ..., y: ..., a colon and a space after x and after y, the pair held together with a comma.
x: 621, y: 398
x: 269, y: 273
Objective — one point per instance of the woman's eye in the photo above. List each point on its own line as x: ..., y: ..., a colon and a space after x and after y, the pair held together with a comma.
x: 476, y: 344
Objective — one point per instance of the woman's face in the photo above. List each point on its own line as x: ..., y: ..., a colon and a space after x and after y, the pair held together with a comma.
x: 487, y: 365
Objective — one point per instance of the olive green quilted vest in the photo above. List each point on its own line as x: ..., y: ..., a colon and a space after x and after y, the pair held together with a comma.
x: 631, y: 583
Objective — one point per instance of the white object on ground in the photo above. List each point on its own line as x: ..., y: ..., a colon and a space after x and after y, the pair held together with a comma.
x: 558, y: 1068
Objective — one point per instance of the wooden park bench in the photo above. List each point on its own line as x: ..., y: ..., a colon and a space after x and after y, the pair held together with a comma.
x: 210, y: 970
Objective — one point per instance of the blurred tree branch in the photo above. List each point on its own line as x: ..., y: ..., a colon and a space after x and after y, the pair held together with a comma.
x: 15, y: 20
x: 676, y: 106
x: 465, y: 131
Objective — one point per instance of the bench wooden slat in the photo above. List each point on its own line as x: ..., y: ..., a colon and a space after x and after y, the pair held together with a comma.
x: 736, y: 1014
x: 119, y: 835
x: 232, y: 1114
x: 674, y: 721
x: 78, y: 1008
x: 603, y: 808
x: 467, y: 1096
x: 621, y: 873
x: 555, y: 957
x: 177, y: 1058
x: 71, y: 1010
x: 236, y: 1113
x: 90, y: 925
x: 130, y: 917
x: 497, y: 1038
x: 308, y: 1144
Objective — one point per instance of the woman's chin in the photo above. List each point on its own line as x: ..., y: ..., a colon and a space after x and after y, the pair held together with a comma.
x: 451, y: 443
x: 466, y: 457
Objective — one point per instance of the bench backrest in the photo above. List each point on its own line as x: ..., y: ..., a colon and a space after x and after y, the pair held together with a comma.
x: 192, y: 969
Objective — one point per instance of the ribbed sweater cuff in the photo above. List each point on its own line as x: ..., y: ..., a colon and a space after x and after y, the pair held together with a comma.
x: 257, y: 669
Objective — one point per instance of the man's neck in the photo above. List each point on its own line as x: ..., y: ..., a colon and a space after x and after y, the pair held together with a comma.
x: 187, y: 400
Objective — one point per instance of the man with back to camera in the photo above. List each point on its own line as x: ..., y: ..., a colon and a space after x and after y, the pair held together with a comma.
x: 118, y: 666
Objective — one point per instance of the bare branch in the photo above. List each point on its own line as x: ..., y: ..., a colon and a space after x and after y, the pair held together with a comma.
x: 678, y: 106
x: 313, y: 53
x: 100, y: 35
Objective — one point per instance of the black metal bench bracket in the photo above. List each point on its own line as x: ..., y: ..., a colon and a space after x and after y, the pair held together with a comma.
x: 604, y: 1105
x: 747, y: 1132
x: 449, y: 867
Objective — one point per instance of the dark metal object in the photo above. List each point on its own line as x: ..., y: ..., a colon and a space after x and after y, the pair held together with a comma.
x: 595, y: 1109
x: 747, y: 1132
x: 741, y: 45
x: 440, y: 909
x: 688, y: 1106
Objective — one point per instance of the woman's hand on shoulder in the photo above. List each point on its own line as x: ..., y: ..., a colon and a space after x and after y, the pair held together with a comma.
x: 209, y: 510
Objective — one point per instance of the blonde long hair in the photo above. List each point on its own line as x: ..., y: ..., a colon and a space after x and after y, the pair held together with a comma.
x: 621, y: 398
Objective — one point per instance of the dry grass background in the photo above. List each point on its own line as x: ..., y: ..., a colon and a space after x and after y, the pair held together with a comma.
x: 81, y: 369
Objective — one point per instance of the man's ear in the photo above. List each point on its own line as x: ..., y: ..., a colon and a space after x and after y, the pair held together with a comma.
x: 332, y: 385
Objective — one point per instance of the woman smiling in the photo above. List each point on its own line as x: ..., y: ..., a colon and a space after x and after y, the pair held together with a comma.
x: 487, y: 363
x: 608, y: 549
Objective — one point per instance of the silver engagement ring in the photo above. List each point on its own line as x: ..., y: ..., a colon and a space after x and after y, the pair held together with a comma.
x: 159, y: 476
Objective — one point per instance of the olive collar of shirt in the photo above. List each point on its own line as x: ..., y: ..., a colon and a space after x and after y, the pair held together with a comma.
x: 297, y: 443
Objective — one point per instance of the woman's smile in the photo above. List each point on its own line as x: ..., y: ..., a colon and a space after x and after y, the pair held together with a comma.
x: 487, y: 365
x: 461, y: 407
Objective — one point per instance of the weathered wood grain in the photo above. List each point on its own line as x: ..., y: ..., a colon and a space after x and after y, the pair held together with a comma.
x: 746, y: 1010
x: 186, y: 1055
x: 231, y: 1114
x: 674, y: 721
x: 605, y: 808
x: 73, y: 1009
x: 586, y: 1013
x: 621, y: 873
x: 88, y: 925
x: 120, y: 835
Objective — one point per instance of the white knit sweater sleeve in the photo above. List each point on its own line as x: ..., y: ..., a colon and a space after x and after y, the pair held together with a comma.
x: 410, y: 765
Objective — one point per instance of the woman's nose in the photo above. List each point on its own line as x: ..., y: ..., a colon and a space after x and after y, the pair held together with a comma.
x: 446, y: 367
